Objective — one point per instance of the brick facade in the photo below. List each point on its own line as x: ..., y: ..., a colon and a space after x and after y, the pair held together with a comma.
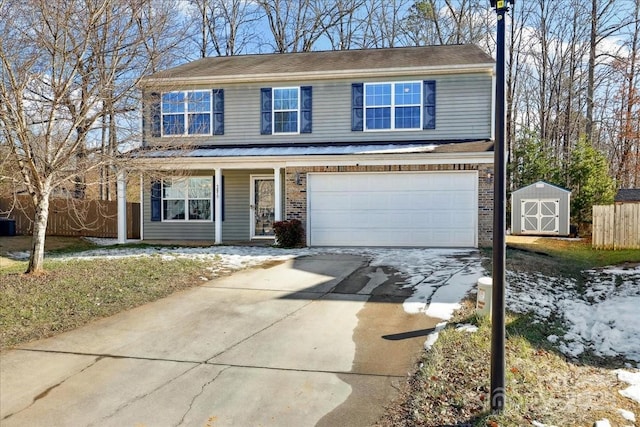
x: 296, y: 189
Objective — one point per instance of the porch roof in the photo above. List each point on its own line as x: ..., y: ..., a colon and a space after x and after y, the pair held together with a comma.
x: 321, y: 149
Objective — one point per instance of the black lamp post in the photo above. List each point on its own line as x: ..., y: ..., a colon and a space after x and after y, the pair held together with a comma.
x: 498, y: 391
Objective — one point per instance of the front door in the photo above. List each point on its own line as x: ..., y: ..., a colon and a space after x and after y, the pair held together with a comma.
x: 262, y: 206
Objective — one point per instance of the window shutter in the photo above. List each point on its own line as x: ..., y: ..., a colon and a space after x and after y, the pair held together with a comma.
x: 429, y: 107
x: 218, y: 111
x: 155, y: 114
x: 265, y: 111
x: 305, y: 109
x: 156, y: 200
x: 357, y: 104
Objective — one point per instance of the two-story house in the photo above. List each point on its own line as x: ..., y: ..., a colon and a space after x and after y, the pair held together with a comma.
x: 381, y: 147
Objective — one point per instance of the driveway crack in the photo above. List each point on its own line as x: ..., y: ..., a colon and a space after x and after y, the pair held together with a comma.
x: 204, y: 386
x: 46, y: 392
x: 142, y: 396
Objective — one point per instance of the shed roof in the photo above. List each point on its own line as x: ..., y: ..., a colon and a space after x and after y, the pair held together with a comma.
x: 628, y: 195
x: 544, y: 184
x: 258, y: 67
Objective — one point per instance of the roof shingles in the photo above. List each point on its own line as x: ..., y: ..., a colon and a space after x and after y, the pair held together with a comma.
x: 628, y: 195
x: 318, y: 62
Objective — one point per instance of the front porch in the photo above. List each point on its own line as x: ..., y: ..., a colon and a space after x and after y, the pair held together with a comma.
x: 220, y: 205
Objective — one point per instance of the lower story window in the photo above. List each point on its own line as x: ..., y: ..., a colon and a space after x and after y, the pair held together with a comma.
x: 187, y: 199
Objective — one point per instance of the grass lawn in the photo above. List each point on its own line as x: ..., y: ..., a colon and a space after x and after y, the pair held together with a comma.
x: 452, y: 385
x: 577, y: 254
x: 73, y: 293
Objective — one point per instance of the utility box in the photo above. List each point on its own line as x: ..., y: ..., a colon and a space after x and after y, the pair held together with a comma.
x: 485, y: 292
x: 7, y: 227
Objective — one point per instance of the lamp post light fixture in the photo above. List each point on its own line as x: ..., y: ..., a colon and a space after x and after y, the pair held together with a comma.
x: 498, y: 390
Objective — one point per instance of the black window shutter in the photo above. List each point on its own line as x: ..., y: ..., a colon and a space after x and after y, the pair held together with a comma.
x: 155, y: 114
x: 156, y: 200
x: 357, y: 106
x: 305, y: 109
x: 218, y: 111
x: 429, y: 107
x: 265, y: 111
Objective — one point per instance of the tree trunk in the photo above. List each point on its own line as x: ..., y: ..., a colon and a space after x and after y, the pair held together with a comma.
x: 36, y: 260
x: 591, y: 71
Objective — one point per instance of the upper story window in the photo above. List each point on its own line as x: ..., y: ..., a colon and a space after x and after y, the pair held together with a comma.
x: 393, y: 105
x: 180, y: 113
x: 186, y: 113
x: 409, y: 105
x: 187, y: 199
x: 285, y: 110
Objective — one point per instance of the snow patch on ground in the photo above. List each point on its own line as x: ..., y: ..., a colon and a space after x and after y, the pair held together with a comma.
x: 433, y: 336
x: 600, y: 315
x: 632, y: 378
x: 627, y: 415
x: 19, y: 255
x: 467, y: 328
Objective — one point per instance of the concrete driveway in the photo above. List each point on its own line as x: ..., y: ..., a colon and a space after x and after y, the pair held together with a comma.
x: 319, y: 340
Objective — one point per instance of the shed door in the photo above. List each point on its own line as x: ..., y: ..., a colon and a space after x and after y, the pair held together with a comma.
x: 393, y: 209
x: 540, y: 216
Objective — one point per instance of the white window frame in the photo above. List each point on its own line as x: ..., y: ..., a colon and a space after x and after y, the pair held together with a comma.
x: 186, y: 113
x: 274, y: 111
x: 392, y: 106
x: 186, y: 199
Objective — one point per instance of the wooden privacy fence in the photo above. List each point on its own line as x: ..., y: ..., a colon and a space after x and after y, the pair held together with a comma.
x: 72, y: 217
x: 616, y: 226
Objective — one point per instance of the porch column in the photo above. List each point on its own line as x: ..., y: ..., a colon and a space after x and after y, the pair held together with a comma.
x: 277, y: 183
x: 217, y: 200
x: 122, y: 207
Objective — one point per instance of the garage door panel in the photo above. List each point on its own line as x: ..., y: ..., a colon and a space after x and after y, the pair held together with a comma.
x: 401, y: 209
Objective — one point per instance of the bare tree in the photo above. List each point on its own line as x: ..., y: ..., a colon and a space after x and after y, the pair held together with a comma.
x: 383, y: 23
x: 226, y: 27
x: 606, y: 21
x: 627, y: 140
x: 429, y: 22
x: 296, y: 25
x: 63, y: 67
x: 346, y: 33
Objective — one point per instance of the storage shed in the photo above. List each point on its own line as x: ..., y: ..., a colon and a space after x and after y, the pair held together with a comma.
x: 540, y: 209
x: 627, y: 195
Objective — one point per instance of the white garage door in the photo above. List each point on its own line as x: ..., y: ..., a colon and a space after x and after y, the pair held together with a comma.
x: 438, y: 209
